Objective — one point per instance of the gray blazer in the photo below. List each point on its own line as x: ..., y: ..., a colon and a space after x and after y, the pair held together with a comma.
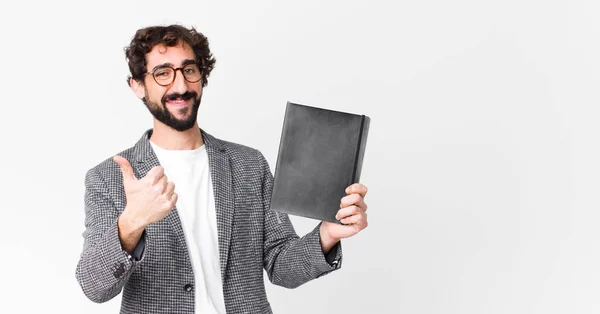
x: 161, y: 280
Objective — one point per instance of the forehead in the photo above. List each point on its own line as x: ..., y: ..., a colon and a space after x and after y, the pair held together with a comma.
x: 161, y: 54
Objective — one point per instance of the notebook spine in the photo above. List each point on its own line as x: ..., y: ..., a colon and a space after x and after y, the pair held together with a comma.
x: 360, y: 148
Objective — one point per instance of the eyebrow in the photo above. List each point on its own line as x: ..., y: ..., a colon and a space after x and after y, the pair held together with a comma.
x: 168, y: 64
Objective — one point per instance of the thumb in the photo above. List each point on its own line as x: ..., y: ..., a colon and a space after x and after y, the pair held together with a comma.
x: 125, y: 169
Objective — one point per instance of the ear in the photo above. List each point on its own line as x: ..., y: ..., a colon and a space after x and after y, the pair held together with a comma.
x: 137, y: 88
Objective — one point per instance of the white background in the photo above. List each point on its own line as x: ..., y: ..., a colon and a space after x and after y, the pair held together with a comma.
x: 482, y: 160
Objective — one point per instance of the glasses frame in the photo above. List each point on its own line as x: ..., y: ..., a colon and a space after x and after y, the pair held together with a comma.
x: 175, y: 73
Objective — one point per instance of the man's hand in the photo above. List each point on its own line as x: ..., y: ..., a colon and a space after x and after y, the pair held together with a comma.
x: 352, y: 214
x: 149, y: 199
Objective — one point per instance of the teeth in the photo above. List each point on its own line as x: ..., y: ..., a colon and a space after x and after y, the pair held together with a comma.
x: 177, y: 102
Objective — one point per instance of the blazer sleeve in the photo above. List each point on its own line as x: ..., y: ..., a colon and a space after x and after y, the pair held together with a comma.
x: 104, y: 267
x: 290, y: 260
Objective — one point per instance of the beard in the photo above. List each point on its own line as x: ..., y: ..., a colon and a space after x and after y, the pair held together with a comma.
x: 162, y: 113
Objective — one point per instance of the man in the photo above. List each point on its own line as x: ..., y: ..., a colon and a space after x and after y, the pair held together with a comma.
x: 180, y: 222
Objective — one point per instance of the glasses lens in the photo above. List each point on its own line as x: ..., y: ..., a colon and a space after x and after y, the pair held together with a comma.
x: 191, y: 72
x: 164, y: 75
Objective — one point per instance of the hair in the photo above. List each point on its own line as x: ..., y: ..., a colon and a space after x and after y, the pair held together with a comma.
x: 146, y: 38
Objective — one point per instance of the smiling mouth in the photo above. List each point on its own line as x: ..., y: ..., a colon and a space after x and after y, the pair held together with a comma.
x: 178, y: 102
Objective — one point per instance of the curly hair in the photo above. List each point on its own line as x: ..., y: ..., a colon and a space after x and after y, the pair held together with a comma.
x: 146, y: 38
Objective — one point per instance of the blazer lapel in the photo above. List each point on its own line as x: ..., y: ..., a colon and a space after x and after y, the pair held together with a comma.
x: 145, y: 159
x: 220, y: 171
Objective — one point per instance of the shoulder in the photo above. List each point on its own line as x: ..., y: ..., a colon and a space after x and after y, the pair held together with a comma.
x: 241, y: 156
x: 236, y: 151
x: 108, y: 170
x: 242, y: 151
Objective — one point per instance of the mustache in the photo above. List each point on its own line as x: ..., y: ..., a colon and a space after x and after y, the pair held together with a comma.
x: 185, y: 96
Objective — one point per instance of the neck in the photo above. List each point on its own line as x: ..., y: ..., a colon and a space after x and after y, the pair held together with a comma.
x: 168, y: 138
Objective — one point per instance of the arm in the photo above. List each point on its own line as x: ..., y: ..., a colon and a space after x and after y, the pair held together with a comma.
x: 104, y: 267
x: 291, y: 261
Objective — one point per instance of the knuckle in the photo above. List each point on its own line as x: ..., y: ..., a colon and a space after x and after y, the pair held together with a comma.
x: 345, y: 199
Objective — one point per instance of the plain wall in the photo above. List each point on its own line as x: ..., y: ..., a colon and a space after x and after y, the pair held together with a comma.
x: 483, y: 160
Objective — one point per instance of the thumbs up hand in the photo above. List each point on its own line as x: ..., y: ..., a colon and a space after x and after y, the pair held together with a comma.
x: 149, y: 199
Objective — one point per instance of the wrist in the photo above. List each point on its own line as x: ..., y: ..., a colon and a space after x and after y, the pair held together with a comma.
x: 130, y: 232
x: 327, y: 241
x: 129, y: 224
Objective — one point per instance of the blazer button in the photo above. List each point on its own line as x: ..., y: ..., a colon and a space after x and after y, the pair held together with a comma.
x: 189, y: 287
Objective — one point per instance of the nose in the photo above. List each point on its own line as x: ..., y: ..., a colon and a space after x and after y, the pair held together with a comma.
x: 179, y: 84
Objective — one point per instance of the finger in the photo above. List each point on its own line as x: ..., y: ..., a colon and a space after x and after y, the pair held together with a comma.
x: 155, y: 174
x: 163, y: 180
x: 170, y: 189
x: 360, y: 220
x: 347, y: 211
x: 357, y: 188
x: 173, y: 200
x: 126, y: 169
x: 161, y: 184
x: 353, y: 199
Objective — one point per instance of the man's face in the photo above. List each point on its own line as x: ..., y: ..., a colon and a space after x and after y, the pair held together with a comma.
x: 176, y: 104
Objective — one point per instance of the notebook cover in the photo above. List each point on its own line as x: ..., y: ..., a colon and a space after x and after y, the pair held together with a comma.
x: 320, y: 154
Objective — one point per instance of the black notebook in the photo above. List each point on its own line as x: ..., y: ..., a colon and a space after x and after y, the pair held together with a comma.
x: 320, y: 154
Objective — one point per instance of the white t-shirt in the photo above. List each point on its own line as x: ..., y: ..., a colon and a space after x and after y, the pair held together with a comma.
x: 189, y: 170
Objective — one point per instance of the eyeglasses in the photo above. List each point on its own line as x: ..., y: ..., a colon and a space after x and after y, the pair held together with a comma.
x: 165, y: 75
